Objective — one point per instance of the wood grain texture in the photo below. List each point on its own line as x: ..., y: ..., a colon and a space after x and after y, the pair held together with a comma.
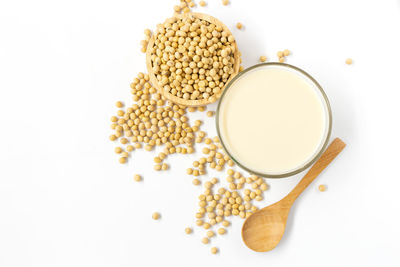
x: 179, y: 100
x: 263, y: 230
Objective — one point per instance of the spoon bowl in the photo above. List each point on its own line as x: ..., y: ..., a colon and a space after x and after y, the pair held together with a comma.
x: 264, y: 229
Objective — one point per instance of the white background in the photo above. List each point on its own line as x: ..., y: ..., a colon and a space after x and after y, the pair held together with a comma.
x: 66, y: 201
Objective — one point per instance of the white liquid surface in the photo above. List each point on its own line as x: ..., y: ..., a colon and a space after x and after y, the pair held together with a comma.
x: 273, y: 120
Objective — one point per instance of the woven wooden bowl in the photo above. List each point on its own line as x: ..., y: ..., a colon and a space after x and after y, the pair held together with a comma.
x: 178, y: 100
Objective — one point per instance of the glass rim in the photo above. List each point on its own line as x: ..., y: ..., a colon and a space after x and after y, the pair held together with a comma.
x: 324, y: 99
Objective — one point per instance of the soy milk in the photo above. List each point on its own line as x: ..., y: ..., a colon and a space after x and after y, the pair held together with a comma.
x: 273, y: 119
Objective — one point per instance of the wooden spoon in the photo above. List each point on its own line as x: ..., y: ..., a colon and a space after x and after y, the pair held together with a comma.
x: 179, y: 100
x: 263, y: 230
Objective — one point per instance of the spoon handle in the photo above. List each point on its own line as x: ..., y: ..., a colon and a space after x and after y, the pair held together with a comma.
x: 330, y: 153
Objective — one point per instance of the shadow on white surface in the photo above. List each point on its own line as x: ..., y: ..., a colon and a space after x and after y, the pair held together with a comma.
x: 248, y: 38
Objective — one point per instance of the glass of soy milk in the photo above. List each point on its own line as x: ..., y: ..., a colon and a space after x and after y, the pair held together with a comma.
x: 274, y: 120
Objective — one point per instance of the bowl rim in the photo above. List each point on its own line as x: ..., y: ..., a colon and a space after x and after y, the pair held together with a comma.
x: 324, y: 99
